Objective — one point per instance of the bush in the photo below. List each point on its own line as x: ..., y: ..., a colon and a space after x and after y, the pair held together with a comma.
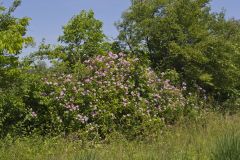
x: 13, y: 108
x: 110, y: 93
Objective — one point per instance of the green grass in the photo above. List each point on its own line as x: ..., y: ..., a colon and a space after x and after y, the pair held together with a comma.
x: 228, y: 147
x: 216, y: 139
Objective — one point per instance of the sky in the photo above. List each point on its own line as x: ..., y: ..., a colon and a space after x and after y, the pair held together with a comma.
x: 48, y: 16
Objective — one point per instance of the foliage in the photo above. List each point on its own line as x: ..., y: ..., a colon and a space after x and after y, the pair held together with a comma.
x: 15, y: 110
x: 184, y: 35
x: 83, y: 37
x: 12, y: 40
x: 110, y: 93
x: 178, y: 56
x: 12, y: 84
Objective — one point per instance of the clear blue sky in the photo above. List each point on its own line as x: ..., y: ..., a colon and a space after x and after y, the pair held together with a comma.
x: 48, y: 16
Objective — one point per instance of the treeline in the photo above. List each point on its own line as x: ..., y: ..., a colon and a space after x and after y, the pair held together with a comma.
x: 171, y: 60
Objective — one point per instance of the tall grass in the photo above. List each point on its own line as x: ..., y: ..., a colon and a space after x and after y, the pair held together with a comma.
x: 228, y: 147
x: 216, y: 139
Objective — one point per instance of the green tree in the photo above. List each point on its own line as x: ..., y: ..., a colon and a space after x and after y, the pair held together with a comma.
x: 12, y: 41
x: 13, y: 84
x: 184, y: 35
x: 83, y: 37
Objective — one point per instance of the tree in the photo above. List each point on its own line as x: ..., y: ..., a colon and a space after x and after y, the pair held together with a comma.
x: 12, y: 41
x: 183, y: 35
x: 83, y: 37
x: 13, y: 84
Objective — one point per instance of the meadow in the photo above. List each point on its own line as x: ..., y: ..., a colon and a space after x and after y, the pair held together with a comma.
x: 216, y: 139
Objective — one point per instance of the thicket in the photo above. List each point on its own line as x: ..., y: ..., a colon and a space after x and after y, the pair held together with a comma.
x: 172, y: 60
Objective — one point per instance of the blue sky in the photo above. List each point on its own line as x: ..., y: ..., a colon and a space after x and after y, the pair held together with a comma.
x: 48, y: 16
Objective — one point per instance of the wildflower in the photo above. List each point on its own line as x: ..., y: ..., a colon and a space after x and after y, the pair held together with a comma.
x: 59, y: 119
x: 111, y: 62
x: 184, y: 86
x: 75, y: 89
x: 86, y: 61
x: 67, y: 80
x: 82, y: 119
x: 33, y: 114
x: 67, y: 106
x: 69, y: 76
x: 87, y: 80
x: 125, y: 102
x: 136, y: 59
x: 86, y: 118
x: 113, y: 56
x: 94, y: 113
x: 62, y: 93
x: 126, y: 63
x: 99, y: 58
x: 148, y: 111
x: 205, y: 97
x: 121, y: 54
x: 132, y: 93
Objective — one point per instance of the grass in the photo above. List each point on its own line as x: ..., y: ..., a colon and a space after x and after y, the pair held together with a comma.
x: 216, y: 139
x: 228, y: 147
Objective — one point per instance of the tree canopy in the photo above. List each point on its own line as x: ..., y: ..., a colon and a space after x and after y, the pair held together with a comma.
x: 12, y: 40
x: 82, y: 37
x: 184, y: 35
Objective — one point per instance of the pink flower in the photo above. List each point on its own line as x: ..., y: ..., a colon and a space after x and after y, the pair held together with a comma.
x: 82, y: 119
x: 113, y: 56
x: 111, y: 62
x: 94, y: 113
x: 67, y: 80
x: 157, y: 96
x: 125, y: 102
x: 126, y: 63
x: 121, y: 54
x: 75, y: 89
x: 87, y: 80
x: 99, y: 58
x: 62, y: 93
x: 69, y: 76
x: 33, y: 114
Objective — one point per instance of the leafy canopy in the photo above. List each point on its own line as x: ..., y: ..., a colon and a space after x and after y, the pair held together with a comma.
x: 184, y: 35
x: 12, y: 41
x: 83, y: 37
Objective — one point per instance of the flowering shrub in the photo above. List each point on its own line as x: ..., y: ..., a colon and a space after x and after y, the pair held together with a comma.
x: 117, y: 93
